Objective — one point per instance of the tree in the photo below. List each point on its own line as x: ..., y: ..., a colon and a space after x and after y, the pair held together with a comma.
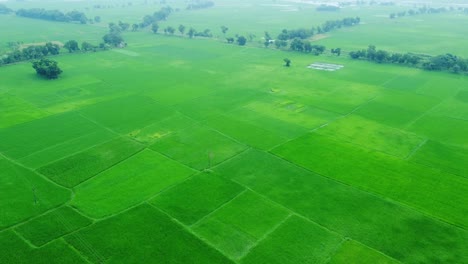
x: 191, y: 32
x: 336, y: 51
x: 113, y: 39
x: 124, y: 26
x: 47, y: 68
x: 135, y: 27
x: 241, y: 40
x: 114, y: 28
x: 287, y: 62
x: 155, y: 27
x: 71, y: 46
x: 181, y: 29
x: 230, y: 40
x: 52, y: 48
x: 97, y: 19
x: 224, y: 29
x: 86, y: 46
x: 267, y: 40
x: 169, y: 30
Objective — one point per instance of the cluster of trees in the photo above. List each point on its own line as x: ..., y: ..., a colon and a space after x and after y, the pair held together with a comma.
x: 329, y: 25
x: 114, y: 37
x: 30, y: 53
x: 324, y: 7
x: 191, y: 32
x: 4, y: 9
x: 198, y: 4
x: 157, y: 16
x: 306, y: 47
x: 382, y: 56
x: 421, y: 10
x: 34, y: 52
x: 240, y: 40
x: 53, y: 15
x: 446, y: 62
x: 47, y: 68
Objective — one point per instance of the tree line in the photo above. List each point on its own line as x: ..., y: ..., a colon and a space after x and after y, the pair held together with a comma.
x: 157, y: 16
x: 4, y: 9
x: 198, y: 4
x: 53, y: 15
x: 444, y: 62
x: 425, y: 10
x: 328, y: 26
x: 34, y: 52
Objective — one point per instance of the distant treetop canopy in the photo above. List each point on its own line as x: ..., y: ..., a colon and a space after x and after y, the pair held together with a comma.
x: 47, y: 68
x: 54, y: 15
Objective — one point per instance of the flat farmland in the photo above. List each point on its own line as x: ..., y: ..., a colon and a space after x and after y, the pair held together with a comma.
x: 180, y: 150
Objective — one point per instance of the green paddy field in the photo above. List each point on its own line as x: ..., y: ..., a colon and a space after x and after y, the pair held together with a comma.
x: 178, y: 150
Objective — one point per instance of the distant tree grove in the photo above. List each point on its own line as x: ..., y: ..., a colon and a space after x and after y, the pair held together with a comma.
x: 47, y: 68
x: 53, y: 15
x: 445, y: 62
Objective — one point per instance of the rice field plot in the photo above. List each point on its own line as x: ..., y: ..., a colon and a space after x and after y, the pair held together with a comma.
x: 126, y: 114
x: 293, y: 112
x: 16, y: 110
x: 394, y: 229
x: 240, y: 224
x: 453, y: 108
x: 202, y: 194
x: 249, y: 133
x: 149, y: 235
x: 432, y: 34
x: 354, y: 252
x: 345, y: 98
x: 431, y: 191
x: 52, y: 225
x: 128, y: 183
x: 217, y: 103
x: 397, y: 108
x: 163, y: 128
x: 66, y: 148
x: 25, y: 194
x: 198, y: 147
x: 442, y: 86
x: 38, y: 31
x: 71, y: 171
x: 275, y: 126
x: 22, y: 140
x: 286, y: 244
x: 443, y: 129
x: 16, y: 250
x: 451, y: 159
x: 372, y: 135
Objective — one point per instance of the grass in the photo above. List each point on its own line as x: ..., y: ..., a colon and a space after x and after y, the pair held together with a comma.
x: 198, y: 147
x: 240, y: 224
x: 149, y: 234
x: 77, y: 168
x: 203, y: 194
x: 128, y: 183
x: 448, y: 158
x: 286, y: 245
x: 15, y: 250
x: 418, y: 186
x: 373, y: 135
x: 386, y: 226
x: 434, y: 127
x: 20, y: 141
x: 365, y: 164
x: 354, y: 252
x: 52, y: 225
x: 26, y: 194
